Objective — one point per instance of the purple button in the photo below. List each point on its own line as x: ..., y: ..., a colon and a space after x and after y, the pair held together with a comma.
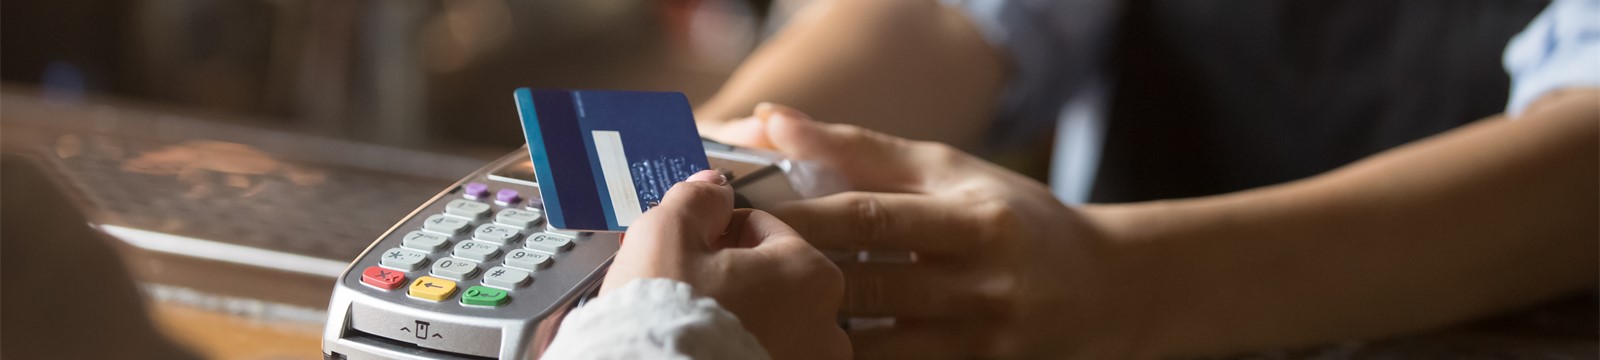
x: 506, y: 196
x: 476, y: 190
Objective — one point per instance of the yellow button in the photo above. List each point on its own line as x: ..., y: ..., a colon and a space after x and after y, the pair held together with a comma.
x: 432, y: 288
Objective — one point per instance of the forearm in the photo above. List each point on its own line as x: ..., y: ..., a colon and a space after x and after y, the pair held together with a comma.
x: 907, y: 67
x: 1492, y: 215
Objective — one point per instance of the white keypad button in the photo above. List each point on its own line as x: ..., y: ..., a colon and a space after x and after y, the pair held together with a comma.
x: 548, y: 242
x: 448, y: 225
x: 424, y: 241
x: 527, y: 259
x: 466, y: 208
x: 497, y: 234
x: 476, y: 250
x: 519, y: 218
x: 505, y: 278
x: 403, y: 259
x: 454, y: 269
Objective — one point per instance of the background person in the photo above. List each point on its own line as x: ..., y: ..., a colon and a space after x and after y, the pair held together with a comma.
x: 1489, y: 216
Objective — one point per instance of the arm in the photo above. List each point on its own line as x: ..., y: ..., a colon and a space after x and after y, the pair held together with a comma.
x: 1475, y: 220
x: 1487, y: 217
x: 896, y: 66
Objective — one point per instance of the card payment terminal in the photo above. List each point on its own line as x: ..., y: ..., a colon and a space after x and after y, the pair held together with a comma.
x: 475, y: 273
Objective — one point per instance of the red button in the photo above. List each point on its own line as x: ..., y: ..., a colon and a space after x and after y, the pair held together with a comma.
x: 387, y: 279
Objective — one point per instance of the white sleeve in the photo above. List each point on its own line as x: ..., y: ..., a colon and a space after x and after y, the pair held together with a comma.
x: 653, y: 319
x: 1055, y: 47
x: 1559, y: 49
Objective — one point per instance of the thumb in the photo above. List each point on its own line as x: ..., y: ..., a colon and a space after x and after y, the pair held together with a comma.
x: 690, y: 214
x: 866, y: 159
x: 750, y: 132
x: 669, y: 238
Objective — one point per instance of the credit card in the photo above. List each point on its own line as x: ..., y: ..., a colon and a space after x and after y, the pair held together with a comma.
x: 604, y: 157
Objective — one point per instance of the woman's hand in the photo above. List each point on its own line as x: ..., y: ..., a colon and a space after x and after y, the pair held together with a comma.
x: 1413, y: 238
x: 1001, y: 267
x: 783, y: 290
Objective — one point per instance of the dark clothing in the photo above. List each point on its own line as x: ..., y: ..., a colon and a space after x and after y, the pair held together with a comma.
x: 1220, y: 96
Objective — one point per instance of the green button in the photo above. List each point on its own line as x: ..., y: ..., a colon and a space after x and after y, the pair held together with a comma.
x: 485, y: 296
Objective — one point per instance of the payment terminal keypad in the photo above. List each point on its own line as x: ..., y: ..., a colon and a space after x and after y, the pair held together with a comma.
x: 475, y: 272
x: 502, y: 252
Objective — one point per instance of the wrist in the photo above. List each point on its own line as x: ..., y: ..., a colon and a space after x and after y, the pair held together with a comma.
x: 1135, y: 291
x: 1172, y: 261
x: 1211, y: 268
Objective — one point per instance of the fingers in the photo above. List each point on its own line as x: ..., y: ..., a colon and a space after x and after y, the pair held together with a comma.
x: 770, y: 246
x: 668, y: 238
x: 754, y: 228
x: 868, y: 160
x: 908, y: 291
x: 778, y: 244
x: 857, y: 221
x: 750, y: 132
x: 691, y: 214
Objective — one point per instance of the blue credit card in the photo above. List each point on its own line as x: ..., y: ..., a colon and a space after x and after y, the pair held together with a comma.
x: 604, y: 157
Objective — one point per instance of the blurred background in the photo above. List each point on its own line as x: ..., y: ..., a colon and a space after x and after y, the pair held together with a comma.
x: 231, y: 157
x: 411, y: 73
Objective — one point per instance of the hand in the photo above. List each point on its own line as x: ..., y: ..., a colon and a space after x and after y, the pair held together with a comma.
x: 1001, y: 268
x: 783, y: 290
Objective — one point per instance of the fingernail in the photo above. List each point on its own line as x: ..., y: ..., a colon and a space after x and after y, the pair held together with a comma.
x: 710, y: 176
x: 763, y: 109
x: 787, y: 114
x: 787, y: 120
x: 744, y: 125
x: 748, y: 132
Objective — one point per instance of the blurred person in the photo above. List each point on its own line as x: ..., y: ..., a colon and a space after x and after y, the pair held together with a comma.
x: 1497, y: 213
x: 102, y: 313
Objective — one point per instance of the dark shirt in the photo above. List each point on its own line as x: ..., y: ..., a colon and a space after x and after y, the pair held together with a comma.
x: 1220, y: 96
